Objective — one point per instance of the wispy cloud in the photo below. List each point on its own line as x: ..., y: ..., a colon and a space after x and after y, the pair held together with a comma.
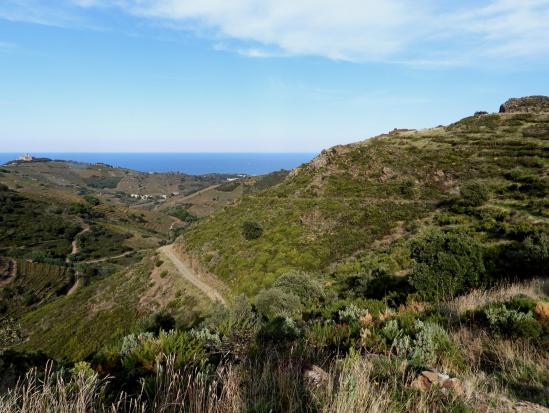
x: 421, y: 32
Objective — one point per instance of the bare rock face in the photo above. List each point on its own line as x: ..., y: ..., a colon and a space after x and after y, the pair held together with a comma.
x: 530, y: 104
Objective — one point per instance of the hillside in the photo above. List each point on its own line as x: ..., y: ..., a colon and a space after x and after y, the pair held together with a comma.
x: 67, y: 178
x: 354, y: 208
x: 68, y: 248
x: 406, y: 272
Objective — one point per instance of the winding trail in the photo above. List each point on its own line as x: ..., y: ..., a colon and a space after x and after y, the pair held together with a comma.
x: 186, y: 272
x: 74, y: 244
x: 75, y: 286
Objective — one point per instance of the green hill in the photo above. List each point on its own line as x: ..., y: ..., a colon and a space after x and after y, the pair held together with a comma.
x: 354, y: 208
x: 406, y: 272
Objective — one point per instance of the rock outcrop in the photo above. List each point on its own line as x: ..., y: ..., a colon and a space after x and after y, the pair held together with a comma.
x: 529, y: 104
x: 429, y: 378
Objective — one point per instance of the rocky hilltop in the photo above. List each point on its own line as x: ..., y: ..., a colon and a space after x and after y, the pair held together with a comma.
x: 529, y: 104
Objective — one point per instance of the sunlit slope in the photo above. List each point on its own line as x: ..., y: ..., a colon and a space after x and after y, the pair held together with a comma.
x: 356, y: 198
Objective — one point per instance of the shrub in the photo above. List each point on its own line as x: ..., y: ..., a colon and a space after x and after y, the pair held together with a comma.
x: 504, y: 321
x: 132, y: 341
x: 474, y: 194
x: 251, y: 230
x: 275, y: 302
x: 408, y: 188
x: 300, y: 284
x: 352, y: 313
x: 161, y: 321
x: 447, y: 265
x: 280, y: 329
x: 522, y: 303
x: 92, y: 200
x: 536, y: 248
x: 228, y: 186
x: 183, y: 214
x: 423, y: 346
x: 207, y: 338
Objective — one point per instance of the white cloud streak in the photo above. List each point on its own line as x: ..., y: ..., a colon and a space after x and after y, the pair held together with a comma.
x: 422, y: 32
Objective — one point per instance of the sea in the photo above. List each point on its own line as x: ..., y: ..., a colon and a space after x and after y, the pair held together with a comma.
x: 188, y: 163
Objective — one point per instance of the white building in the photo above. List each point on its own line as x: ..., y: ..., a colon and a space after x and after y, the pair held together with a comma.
x: 26, y: 158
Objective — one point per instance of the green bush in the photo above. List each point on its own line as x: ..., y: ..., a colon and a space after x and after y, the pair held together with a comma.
x: 446, y: 265
x: 351, y: 313
x: 92, y: 200
x: 522, y: 303
x: 301, y: 284
x: 161, y: 321
x: 536, y: 249
x: 251, y: 230
x: 280, y: 329
x: 228, y: 186
x: 474, y: 194
x: 513, y: 323
x: 423, y: 345
x: 183, y: 214
x: 274, y: 302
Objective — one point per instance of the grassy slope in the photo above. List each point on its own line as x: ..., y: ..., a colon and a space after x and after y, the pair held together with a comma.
x: 353, y: 198
x: 110, y: 300
x: 75, y: 326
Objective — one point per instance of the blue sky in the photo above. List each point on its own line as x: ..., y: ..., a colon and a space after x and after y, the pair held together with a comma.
x: 246, y: 75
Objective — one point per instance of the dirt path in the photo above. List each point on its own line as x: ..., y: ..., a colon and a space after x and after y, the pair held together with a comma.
x: 190, y: 275
x: 75, y: 248
x: 111, y: 258
x: 75, y: 286
x: 172, y: 202
x: 185, y: 198
x: 176, y: 222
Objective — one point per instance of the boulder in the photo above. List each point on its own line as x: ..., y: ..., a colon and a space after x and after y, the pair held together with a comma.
x: 542, y: 311
x: 315, y: 377
x: 530, y: 104
x: 455, y: 385
x: 428, y: 378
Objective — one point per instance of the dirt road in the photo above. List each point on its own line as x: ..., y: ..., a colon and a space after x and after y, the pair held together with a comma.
x: 187, y: 273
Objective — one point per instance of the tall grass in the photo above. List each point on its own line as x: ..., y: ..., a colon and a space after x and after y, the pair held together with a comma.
x: 356, y: 384
x: 174, y: 391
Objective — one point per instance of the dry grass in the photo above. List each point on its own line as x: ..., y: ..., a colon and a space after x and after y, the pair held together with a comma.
x: 356, y: 384
x: 478, y: 298
x: 84, y: 392
x: 516, y: 366
x: 354, y: 390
